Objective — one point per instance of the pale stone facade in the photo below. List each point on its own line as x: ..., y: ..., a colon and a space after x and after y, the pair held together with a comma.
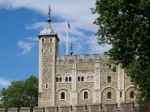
x: 78, y: 81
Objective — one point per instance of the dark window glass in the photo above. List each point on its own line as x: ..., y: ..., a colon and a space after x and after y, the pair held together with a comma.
x: 63, y: 95
x: 60, y: 79
x: 109, y: 79
x: 109, y: 95
x: 66, y: 79
x: 120, y: 94
x: 131, y: 94
x: 85, y: 95
x: 78, y: 78
x: 82, y: 78
x: 69, y: 79
x: 56, y: 79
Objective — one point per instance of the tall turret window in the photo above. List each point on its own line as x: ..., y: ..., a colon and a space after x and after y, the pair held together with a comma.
x: 109, y: 95
x: 62, y: 96
x: 86, y: 95
x: 109, y: 79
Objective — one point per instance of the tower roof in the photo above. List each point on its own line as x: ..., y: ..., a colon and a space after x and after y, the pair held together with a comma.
x: 48, y: 30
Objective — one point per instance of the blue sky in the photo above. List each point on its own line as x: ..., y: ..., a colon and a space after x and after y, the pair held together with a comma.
x: 22, y: 20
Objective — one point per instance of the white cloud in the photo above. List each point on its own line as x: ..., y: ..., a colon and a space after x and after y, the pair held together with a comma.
x: 76, y: 11
x: 33, y: 39
x: 4, y: 83
x: 25, y: 46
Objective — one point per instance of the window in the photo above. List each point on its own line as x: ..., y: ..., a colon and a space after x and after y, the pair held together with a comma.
x: 62, y: 96
x: 78, y: 78
x: 109, y: 95
x: 57, y: 79
x: 131, y: 94
x: 69, y: 79
x: 120, y: 94
x: 86, y: 95
x: 60, y: 79
x: 42, y: 40
x: 82, y: 78
x: 66, y: 79
x: 46, y: 86
x: 109, y: 79
x: 50, y: 40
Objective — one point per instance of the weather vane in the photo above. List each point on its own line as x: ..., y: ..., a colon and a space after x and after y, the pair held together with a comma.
x: 49, y: 14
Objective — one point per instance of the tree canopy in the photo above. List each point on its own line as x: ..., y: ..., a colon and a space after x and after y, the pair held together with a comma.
x: 20, y: 93
x: 125, y: 24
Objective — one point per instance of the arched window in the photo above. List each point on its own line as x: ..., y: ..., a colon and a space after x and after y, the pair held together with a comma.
x: 82, y: 78
x: 109, y: 95
x: 86, y: 95
x: 69, y: 79
x: 78, y: 78
x: 131, y: 94
x: 57, y: 79
x: 42, y: 40
x: 66, y: 79
x: 60, y: 79
x: 109, y: 79
x: 62, y: 95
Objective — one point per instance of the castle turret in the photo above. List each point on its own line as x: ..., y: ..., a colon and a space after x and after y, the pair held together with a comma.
x: 48, y: 51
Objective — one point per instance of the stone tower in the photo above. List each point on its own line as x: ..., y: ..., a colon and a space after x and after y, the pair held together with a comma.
x: 48, y: 50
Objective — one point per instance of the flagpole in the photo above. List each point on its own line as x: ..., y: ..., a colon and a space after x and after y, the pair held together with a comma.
x: 67, y: 39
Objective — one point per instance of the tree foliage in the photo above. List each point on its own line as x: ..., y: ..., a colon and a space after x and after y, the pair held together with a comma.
x: 20, y: 93
x: 125, y: 24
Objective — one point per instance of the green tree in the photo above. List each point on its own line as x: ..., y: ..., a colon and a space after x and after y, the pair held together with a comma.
x: 125, y: 24
x: 21, y: 93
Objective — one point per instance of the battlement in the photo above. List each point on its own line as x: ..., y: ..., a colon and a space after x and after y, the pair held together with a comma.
x: 78, y: 57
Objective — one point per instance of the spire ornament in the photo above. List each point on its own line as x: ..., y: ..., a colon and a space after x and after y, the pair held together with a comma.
x: 49, y: 14
x: 48, y: 30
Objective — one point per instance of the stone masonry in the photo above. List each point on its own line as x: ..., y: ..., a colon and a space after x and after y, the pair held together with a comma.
x: 73, y: 80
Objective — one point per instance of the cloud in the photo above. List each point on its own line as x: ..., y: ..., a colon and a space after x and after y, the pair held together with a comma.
x: 4, y: 83
x: 76, y: 11
x: 25, y: 46
x: 33, y: 39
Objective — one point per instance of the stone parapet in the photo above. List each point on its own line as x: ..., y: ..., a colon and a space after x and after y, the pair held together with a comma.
x: 124, y: 107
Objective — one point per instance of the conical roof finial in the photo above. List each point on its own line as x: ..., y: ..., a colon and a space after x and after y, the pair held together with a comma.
x: 49, y: 14
x: 48, y: 30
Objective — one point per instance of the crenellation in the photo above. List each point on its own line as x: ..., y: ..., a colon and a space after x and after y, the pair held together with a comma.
x: 96, y: 56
